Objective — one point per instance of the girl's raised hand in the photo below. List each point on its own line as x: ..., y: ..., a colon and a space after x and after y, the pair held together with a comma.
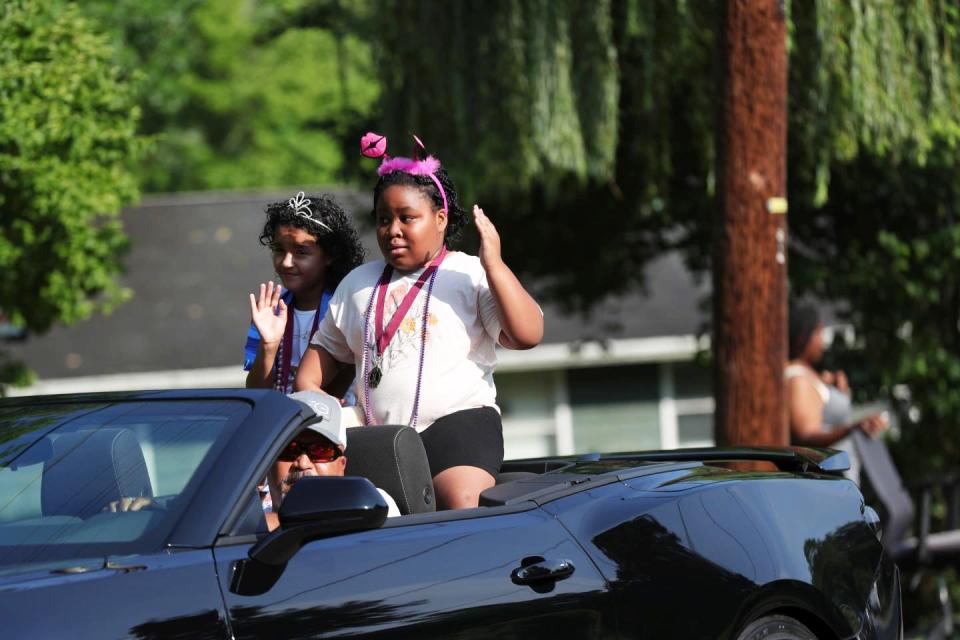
x: 489, y: 240
x: 269, y: 313
x: 521, y: 320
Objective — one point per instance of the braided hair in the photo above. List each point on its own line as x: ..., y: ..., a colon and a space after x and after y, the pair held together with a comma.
x: 341, y: 241
x: 456, y: 216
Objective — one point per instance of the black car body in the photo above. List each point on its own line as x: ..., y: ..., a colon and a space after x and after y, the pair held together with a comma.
x: 679, y: 544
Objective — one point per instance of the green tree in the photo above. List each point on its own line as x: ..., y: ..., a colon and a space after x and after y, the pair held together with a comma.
x: 67, y: 141
x: 571, y: 120
x: 246, y: 95
x: 602, y: 115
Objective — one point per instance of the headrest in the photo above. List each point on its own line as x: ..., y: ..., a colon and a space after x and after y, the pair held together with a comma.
x: 393, y: 459
x: 90, y: 469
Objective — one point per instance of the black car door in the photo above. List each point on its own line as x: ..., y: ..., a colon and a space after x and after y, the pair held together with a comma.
x: 448, y: 575
x: 164, y: 595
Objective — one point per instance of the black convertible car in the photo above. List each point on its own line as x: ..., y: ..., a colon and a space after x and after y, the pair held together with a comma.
x: 714, y: 544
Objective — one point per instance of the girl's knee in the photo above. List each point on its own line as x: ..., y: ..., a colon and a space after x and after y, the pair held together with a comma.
x: 451, y: 495
x: 460, y: 490
x: 462, y: 501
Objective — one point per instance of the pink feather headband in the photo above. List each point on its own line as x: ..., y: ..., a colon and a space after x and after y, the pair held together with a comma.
x: 374, y: 145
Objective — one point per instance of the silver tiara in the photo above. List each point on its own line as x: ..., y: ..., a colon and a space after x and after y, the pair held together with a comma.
x: 301, y: 207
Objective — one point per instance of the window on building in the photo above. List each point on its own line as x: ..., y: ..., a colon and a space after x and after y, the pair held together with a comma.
x: 615, y: 408
x: 695, y: 430
x: 694, y: 404
x: 527, y: 404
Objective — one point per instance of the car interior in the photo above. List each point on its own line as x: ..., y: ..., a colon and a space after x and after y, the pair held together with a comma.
x: 79, y: 473
x: 61, y: 487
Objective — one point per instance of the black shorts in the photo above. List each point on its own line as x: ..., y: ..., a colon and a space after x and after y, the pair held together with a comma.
x: 471, y: 437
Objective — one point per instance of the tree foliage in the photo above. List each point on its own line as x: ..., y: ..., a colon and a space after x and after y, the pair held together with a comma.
x: 522, y: 92
x: 606, y: 111
x: 245, y: 95
x: 67, y: 138
x: 571, y: 120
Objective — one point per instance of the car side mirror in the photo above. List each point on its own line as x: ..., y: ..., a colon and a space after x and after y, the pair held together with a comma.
x: 315, y: 507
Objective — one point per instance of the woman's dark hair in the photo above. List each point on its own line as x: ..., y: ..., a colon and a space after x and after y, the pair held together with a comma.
x: 456, y: 216
x: 803, y: 322
x: 341, y: 241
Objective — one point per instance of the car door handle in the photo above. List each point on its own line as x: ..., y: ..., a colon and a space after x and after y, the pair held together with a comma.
x: 542, y: 571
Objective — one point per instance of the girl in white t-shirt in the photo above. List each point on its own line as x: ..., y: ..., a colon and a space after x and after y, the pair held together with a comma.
x: 314, y: 246
x: 421, y: 326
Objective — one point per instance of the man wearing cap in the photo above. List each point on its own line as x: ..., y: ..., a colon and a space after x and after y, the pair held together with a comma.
x: 318, y: 450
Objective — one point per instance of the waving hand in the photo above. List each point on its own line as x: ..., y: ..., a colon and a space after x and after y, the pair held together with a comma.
x: 269, y: 313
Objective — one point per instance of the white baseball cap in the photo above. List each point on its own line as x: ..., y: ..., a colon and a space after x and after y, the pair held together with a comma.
x: 327, y: 409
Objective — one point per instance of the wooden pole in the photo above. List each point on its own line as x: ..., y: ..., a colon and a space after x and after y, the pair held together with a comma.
x: 749, y: 271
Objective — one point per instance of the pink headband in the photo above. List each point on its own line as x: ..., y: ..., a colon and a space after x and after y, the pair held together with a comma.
x: 374, y: 145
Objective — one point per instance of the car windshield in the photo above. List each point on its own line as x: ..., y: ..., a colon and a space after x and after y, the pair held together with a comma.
x: 93, y: 480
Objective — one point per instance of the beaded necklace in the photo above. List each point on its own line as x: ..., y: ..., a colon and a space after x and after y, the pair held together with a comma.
x: 284, y: 357
x: 371, y: 376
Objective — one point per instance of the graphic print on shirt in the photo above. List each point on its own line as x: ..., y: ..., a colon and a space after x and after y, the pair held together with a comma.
x: 406, y: 342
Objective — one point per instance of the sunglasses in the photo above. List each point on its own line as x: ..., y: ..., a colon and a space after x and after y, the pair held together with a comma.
x: 315, y: 451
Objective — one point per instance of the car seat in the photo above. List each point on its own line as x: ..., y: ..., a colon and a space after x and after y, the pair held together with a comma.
x: 393, y: 459
x: 89, y: 469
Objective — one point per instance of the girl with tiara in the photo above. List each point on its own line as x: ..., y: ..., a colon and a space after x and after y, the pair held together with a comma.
x: 314, y: 246
x: 421, y: 326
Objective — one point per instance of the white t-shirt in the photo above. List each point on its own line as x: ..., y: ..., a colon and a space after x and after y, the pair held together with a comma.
x: 462, y: 334
x: 392, y: 509
x: 302, y: 324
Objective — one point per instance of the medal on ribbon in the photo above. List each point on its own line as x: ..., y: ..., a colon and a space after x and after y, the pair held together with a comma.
x: 373, y: 379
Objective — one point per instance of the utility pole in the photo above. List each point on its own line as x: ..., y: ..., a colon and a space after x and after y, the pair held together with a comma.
x: 750, y: 266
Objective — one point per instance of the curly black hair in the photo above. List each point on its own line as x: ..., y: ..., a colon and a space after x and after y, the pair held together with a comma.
x: 456, y: 216
x: 340, y: 241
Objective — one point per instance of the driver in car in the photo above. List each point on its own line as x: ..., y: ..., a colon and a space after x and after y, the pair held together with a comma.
x: 318, y: 450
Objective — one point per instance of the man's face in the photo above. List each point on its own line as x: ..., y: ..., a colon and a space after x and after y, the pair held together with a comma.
x: 308, y: 454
